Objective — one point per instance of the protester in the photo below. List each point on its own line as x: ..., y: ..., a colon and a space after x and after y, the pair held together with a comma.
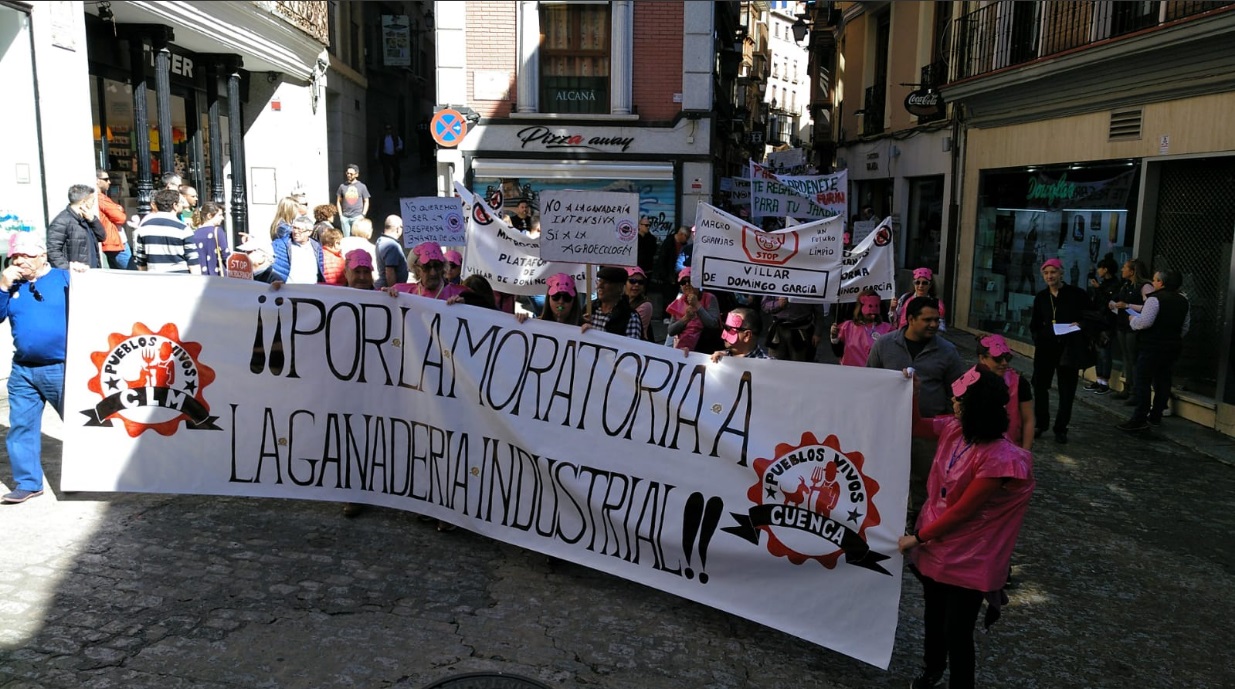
x: 362, y: 238
x: 917, y: 345
x: 562, y: 304
x: 188, y: 204
x: 665, y: 269
x: 923, y: 286
x: 853, y: 339
x: 636, y: 294
x: 162, y: 243
x: 334, y: 266
x: 351, y: 200
x: 612, y: 312
x: 1103, y: 286
x: 211, y: 239
x: 391, y: 261
x: 646, y: 257
x: 1133, y: 289
x: 795, y: 330
x: 358, y: 269
x: 38, y: 317
x: 1160, y: 325
x: 695, y: 314
x: 476, y: 292
x: 979, y: 489
x: 1059, y: 346
x: 741, y: 335
x: 454, y: 267
x: 323, y: 216
x: 432, y: 262
x: 521, y: 219
x: 995, y: 355
x: 287, y: 211
x: 115, y: 245
x: 297, y: 258
x: 73, y: 236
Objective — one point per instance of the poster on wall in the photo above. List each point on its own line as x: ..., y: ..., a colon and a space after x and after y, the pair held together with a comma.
x: 657, y: 197
x: 396, y: 41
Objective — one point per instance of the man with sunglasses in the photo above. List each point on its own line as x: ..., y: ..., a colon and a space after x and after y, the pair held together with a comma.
x: 741, y: 335
x: 34, y: 299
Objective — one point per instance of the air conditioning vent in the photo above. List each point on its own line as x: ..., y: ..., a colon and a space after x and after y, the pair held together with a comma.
x: 1125, y: 125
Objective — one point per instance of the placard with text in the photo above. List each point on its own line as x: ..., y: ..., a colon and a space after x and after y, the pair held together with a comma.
x: 600, y: 227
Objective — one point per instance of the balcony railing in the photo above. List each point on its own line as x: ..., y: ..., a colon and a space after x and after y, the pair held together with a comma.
x: 1008, y: 33
x: 934, y: 75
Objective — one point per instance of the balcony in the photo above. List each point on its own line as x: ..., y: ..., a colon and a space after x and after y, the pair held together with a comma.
x: 1008, y: 33
x: 872, y: 110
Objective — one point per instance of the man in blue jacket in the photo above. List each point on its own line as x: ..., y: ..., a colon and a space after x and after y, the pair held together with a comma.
x: 34, y: 299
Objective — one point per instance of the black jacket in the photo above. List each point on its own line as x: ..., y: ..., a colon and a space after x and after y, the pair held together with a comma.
x: 73, y: 239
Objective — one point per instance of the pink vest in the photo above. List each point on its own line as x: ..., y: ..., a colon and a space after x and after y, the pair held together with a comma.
x: 858, y: 341
x: 689, y: 337
x: 974, y: 555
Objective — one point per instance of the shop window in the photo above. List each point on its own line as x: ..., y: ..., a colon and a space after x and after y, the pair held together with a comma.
x: 574, y: 58
x: 924, y: 231
x: 1078, y: 214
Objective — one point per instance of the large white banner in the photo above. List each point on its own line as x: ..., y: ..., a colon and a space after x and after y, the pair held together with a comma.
x: 772, y: 490
x: 731, y: 255
x: 813, y: 197
x: 872, y: 263
x: 507, y: 258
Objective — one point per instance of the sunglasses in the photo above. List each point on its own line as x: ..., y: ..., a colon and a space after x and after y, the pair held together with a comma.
x: 736, y: 329
x: 105, y: 179
x: 637, y: 281
x: 921, y: 282
x: 432, y: 265
x: 562, y: 296
x: 684, y: 283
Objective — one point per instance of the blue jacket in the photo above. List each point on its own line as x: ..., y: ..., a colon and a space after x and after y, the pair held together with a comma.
x: 282, y: 266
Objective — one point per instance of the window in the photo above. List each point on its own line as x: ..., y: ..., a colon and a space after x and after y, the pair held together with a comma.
x: 574, y: 58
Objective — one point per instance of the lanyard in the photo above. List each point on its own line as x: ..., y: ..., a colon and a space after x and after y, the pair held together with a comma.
x: 958, y: 454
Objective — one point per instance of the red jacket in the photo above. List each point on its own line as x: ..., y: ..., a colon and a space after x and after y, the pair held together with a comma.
x: 111, y: 214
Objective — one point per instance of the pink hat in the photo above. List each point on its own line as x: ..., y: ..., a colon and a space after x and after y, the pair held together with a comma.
x: 995, y: 345
x: 961, y: 385
x: 26, y: 243
x: 1052, y: 262
x: 359, y: 258
x: 685, y: 273
x: 454, y: 257
x: 632, y: 271
x: 732, y: 320
x: 923, y: 274
x: 428, y: 252
x: 561, y: 282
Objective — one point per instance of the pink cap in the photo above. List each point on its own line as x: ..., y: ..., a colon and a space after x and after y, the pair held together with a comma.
x: 26, y: 243
x: 960, y: 385
x: 1052, y: 262
x: 428, y: 252
x: 995, y: 345
x: 632, y: 271
x: 923, y: 274
x: 561, y: 282
x: 454, y: 257
x: 685, y: 273
x: 358, y: 258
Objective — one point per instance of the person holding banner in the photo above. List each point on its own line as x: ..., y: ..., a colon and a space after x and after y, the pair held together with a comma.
x: 979, y: 489
x: 696, y: 318
x: 796, y: 328
x: 454, y: 265
x: 741, y: 335
x: 923, y: 286
x: 636, y: 294
x: 853, y: 339
x: 561, y: 303
x: 613, y: 313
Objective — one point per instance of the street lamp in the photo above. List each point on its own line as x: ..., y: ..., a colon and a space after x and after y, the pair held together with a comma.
x: 800, y: 28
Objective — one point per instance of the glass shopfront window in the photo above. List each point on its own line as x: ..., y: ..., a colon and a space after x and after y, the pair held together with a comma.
x: 1077, y: 213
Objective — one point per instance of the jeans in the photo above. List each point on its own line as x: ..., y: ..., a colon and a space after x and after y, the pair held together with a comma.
x: 951, y: 612
x: 120, y: 260
x: 30, y: 388
x: 345, y: 224
x: 1105, y: 363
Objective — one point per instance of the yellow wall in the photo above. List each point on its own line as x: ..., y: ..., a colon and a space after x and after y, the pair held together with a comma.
x: 851, y: 80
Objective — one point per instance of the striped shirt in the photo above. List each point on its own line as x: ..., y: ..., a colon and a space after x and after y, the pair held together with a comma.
x: 163, y: 244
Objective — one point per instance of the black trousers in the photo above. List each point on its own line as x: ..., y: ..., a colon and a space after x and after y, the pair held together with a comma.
x: 1046, y: 366
x: 1154, y: 368
x: 391, y: 170
x: 951, y: 612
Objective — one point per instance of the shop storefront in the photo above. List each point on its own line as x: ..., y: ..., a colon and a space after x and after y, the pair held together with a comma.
x: 1076, y: 213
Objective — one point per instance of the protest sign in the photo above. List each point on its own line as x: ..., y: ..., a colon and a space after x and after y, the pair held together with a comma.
x: 813, y: 197
x: 433, y: 219
x: 802, y: 262
x: 239, y: 266
x: 509, y: 259
x: 872, y: 263
x: 788, y: 162
x: 598, y: 227
x: 736, y: 485
x: 739, y: 191
x: 861, y: 229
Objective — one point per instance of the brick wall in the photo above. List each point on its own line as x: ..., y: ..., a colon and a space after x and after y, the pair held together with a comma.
x: 657, y: 59
x: 492, y: 44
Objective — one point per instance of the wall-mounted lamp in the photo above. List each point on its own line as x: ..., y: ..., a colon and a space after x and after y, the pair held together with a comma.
x: 800, y: 29
x: 105, y: 12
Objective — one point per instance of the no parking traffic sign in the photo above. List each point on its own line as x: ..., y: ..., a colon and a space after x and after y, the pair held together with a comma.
x: 448, y: 127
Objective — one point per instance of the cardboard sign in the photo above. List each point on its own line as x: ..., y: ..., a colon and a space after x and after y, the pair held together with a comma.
x: 600, y: 227
x: 239, y: 266
x: 433, y: 219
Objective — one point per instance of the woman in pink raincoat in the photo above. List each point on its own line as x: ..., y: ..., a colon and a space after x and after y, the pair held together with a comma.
x: 978, y: 490
x: 853, y: 339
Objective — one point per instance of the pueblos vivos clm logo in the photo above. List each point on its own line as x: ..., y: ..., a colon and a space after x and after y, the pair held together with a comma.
x: 814, y: 502
x: 151, y: 381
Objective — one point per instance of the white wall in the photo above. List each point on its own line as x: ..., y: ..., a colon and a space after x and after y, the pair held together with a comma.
x: 23, y: 199
x: 291, y: 141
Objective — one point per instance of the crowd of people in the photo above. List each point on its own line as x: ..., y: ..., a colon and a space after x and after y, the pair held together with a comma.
x: 974, y: 428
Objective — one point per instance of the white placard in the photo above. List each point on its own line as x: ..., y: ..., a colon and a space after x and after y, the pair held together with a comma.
x: 600, y: 227
x: 812, y: 197
x: 433, y: 219
x: 737, y: 484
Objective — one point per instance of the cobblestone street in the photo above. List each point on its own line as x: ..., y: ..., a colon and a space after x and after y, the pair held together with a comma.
x: 1125, y: 572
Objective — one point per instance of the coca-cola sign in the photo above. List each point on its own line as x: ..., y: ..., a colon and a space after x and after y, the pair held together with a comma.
x: 924, y: 103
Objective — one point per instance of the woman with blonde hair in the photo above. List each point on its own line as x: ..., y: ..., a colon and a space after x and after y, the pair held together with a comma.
x: 284, y: 215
